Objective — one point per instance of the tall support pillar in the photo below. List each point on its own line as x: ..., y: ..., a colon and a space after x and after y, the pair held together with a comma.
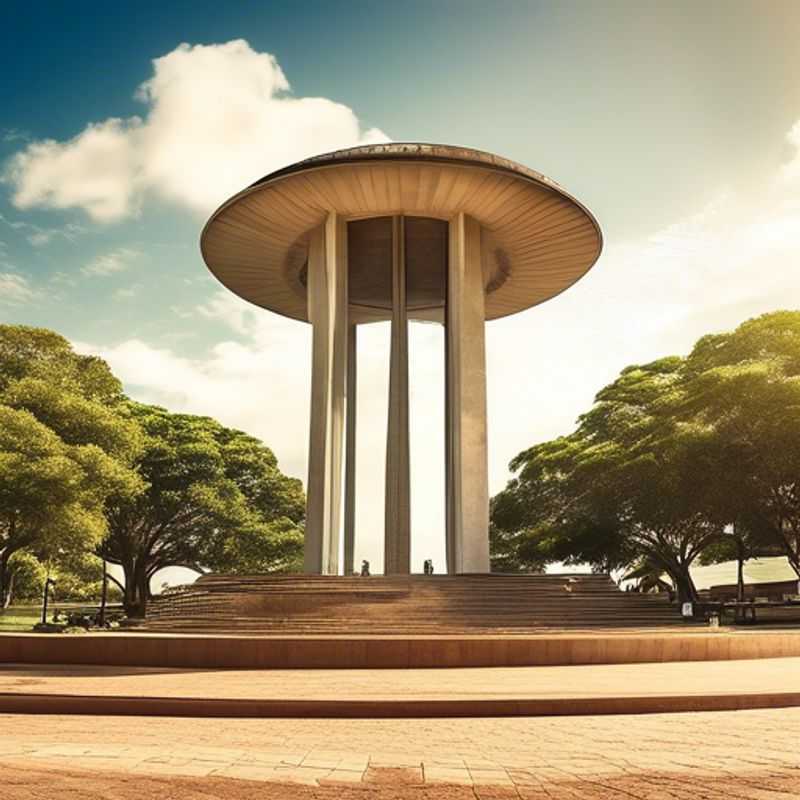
x: 397, y: 542
x: 350, y: 456
x: 465, y: 418
x: 327, y: 312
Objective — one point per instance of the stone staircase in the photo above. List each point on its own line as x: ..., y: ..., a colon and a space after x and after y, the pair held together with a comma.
x: 405, y: 605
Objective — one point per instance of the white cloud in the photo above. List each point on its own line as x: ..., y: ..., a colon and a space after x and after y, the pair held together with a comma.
x: 61, y: 278
x: 218, y: 117
x: 225, y: 307
x: 259, y: 385
x: 95, y: 171
x: 127, y: 292
x: 13, y: 135
x: 13, y: 224
x: 649, y: 297
x: 42, y: 236
x: 38, y: 236
x: 14, y: 289
x: 109, y: 263
x: 734, y: 259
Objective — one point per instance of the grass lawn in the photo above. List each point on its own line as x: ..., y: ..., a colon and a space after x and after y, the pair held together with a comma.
x: 19, y: 619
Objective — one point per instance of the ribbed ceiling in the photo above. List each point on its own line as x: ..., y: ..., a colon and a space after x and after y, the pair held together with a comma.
x: 537, y: 240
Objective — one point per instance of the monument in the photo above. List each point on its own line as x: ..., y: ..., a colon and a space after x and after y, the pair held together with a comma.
x: 399, y: 232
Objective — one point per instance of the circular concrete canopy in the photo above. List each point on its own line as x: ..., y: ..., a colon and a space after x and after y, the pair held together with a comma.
x: 537, y: 240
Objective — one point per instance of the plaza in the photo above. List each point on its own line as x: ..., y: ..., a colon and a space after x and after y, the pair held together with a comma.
x: 744, y: 754
x: 326, y: 683
x: 400, y: 401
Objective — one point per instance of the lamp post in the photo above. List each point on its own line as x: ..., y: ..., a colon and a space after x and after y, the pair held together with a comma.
x: 47, y: 584
x: 104, y: 596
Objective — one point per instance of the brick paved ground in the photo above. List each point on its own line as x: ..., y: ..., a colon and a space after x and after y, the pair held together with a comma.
x: 595, y: 680
x: 725, y: 755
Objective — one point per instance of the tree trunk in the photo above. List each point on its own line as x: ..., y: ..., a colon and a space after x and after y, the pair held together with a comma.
x: 143, y: 591
x: 684, y: 585
x: 739, y: 571
x: 131, y: 599
x: 794, y: 562
x: 791, y: 546
x: 5, y: 582
x: 9, y: 595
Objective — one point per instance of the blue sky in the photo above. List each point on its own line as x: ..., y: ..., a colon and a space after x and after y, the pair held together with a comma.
x: 674, y: 122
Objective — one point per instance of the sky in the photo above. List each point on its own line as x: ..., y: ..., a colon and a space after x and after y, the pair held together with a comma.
x: 122, y: 126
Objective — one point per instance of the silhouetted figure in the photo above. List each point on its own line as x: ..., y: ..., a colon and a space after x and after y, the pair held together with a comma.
x: 428, y: 568
x: 365, y: 568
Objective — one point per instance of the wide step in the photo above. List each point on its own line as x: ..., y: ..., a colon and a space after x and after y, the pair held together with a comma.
x: 445, y: 604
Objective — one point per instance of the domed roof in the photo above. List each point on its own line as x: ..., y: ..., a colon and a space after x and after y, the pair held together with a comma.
x: 537, y: 240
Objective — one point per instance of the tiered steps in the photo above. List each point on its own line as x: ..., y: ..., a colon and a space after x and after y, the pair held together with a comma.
x: 405, y: 605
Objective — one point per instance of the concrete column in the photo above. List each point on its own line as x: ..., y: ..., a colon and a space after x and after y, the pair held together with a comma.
x: 327, y: 311
x: 397, y: 531
x: 350, y: 456
x: 465, y: 417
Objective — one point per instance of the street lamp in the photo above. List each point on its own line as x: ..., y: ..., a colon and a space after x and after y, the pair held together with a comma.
x: 47, y: 584
x: 104, y: 595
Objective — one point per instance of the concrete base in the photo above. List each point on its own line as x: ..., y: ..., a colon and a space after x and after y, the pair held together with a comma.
x: 377, y: 652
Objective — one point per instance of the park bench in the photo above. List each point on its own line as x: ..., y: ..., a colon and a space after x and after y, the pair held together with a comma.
x: 762, y: 609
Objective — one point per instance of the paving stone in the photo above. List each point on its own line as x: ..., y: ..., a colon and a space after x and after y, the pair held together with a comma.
x: 747, y: 755
x: 394, y: 776
x: 344, y: 776
x: 447, y: 775
x: 491, y: 777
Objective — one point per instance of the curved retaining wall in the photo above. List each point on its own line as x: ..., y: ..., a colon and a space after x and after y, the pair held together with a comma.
x: 370, y: 709
x: 351, y: 652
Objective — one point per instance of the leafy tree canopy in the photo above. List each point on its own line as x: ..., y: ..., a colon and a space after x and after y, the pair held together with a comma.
x: 52, y: 494
x: 745, y: 386
x: 673, y: 457
x: 215, y: 500
x: 64, y: 449
x: 27, y: 352
x: 82, y: 467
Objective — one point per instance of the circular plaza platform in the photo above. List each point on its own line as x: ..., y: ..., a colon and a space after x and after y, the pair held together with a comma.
x: 478, y: 692
x: 275, y: 652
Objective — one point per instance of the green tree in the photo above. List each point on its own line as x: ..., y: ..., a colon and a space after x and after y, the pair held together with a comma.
x: 628, y: 485
x: 678, y: 460
x: 745, y: 387
x: 26, y: 576
x: 541, y: 517
x: 79, y: 461
x: 648, y: 575
x: 27, y: 352
x: 52, y: 494
x: 66, y: 445
x: 79, y: 577
x: 215, y: 499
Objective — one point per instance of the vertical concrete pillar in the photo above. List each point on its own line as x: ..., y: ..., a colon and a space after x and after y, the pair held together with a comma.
x: 327, y: 311
x: 350, y: 456
x: 465, y: 417
x: 397, y: 532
